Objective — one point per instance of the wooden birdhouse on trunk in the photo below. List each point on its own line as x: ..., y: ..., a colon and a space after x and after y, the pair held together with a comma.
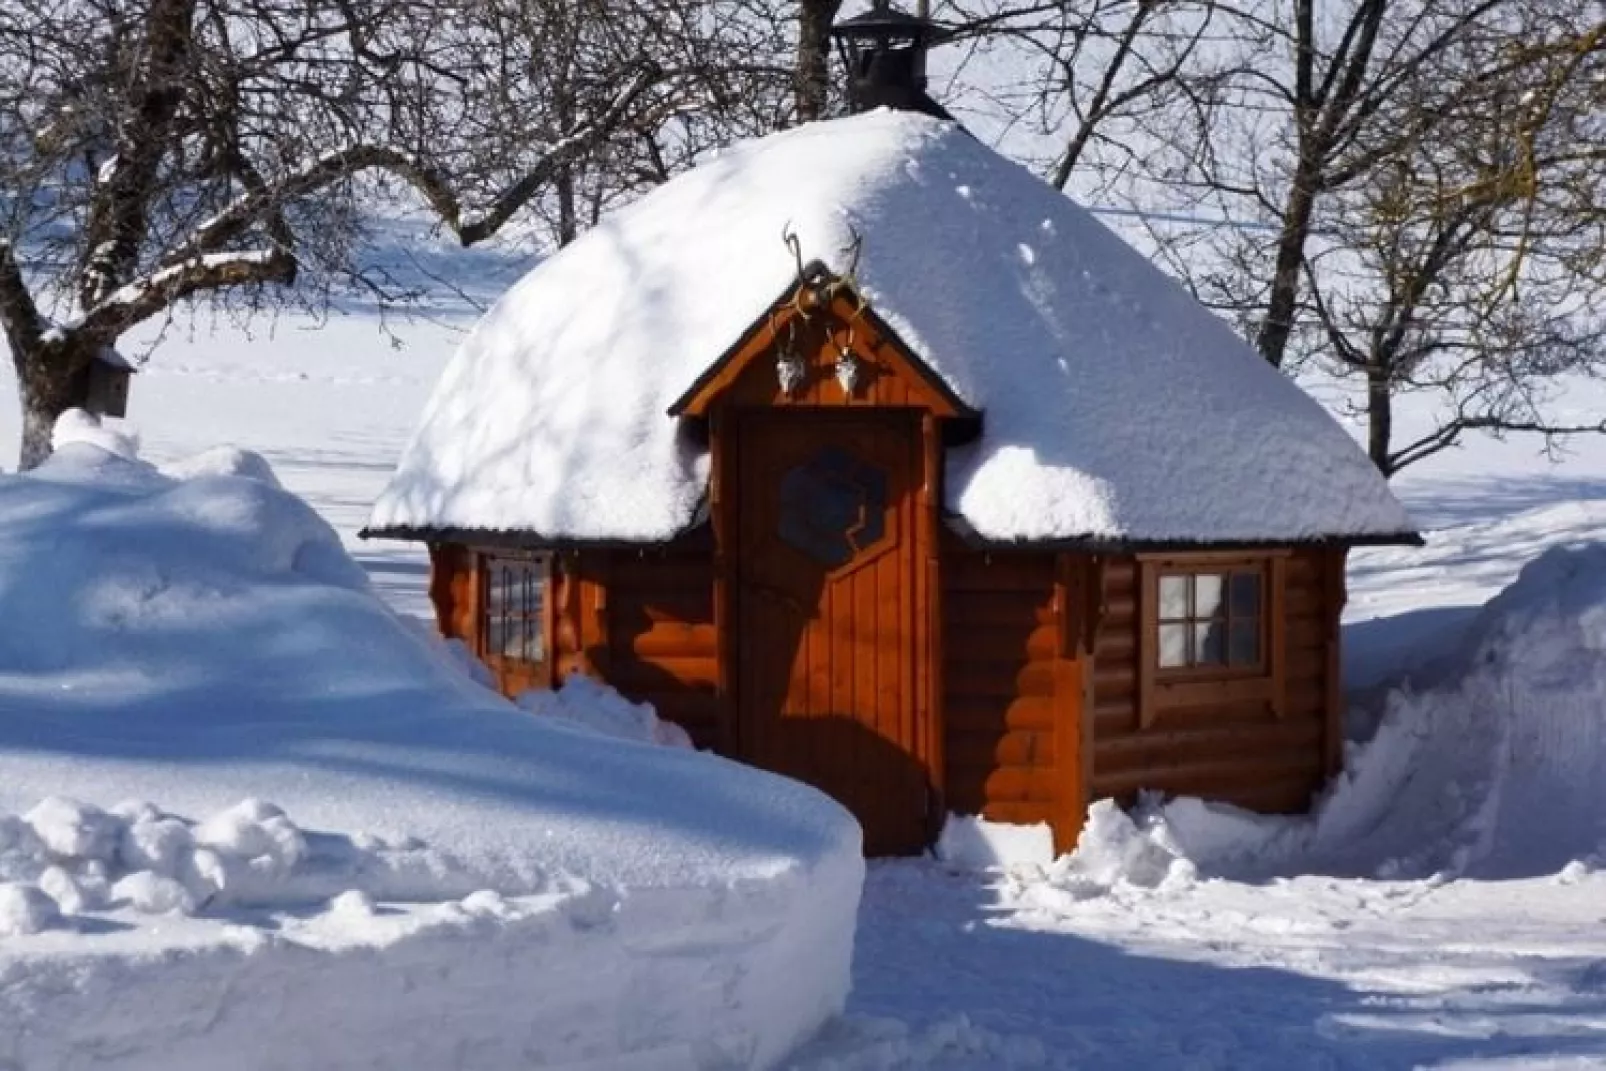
x: 872, y: 460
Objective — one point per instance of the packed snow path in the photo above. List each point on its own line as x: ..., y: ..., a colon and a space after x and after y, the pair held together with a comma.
x: 957, y: 971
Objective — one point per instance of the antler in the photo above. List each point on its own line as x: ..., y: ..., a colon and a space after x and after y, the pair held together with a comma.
x: 790, y: 237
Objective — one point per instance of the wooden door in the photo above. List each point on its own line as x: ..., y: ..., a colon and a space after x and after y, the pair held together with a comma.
x: 827, y: 658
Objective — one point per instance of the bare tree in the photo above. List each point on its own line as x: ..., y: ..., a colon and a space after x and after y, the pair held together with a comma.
x: 1469, y: 263
x: 1073, y: 86
x: 158, y: 152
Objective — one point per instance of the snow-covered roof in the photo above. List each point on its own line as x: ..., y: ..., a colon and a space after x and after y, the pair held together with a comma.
x: 1116, y: 407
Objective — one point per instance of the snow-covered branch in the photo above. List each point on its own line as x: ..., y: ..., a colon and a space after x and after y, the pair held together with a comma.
x: 140, y: 300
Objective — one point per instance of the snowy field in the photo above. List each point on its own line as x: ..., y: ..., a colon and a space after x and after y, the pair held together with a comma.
x: 1448, y: 909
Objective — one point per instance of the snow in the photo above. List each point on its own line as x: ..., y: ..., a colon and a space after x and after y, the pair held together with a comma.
x: 1255, y: 963
x: 1115, y: 406
x: 968, y: 842
x: 597, y: 708
x: 246, y: 808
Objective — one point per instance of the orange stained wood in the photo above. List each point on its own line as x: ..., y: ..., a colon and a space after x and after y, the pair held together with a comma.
x: 830, y: 664
x: 889, y: 375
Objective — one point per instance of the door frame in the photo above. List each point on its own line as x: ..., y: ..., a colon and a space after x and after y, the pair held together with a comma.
x: 727, y: 430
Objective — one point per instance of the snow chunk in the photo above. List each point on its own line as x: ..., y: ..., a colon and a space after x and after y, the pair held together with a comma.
x: 81, y: 427
x: 1117, y: 406
x: 60, y: 885
x: 970, y: 842
x: 69, y: 829
x: 1114, y: 850
x: 590, y: 704
x: 152, y: 894
x: 25, y: 910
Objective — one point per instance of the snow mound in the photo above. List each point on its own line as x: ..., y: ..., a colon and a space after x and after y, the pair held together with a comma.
x: 553, y: 416
x: 81, y: 427
x: 470, y: 886
x: 969, y: 842
x: 594, y: 706
x: 223, y: 461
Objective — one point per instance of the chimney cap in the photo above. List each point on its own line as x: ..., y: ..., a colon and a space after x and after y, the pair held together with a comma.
x: 885, y: 21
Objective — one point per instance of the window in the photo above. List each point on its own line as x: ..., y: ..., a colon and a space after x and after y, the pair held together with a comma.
x: 513, y: 608
x: 1211, y: 620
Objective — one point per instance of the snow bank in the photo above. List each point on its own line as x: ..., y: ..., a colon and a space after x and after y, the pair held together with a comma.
x: 439, y: 880
x: 593, y: 706
x: 552, y: 418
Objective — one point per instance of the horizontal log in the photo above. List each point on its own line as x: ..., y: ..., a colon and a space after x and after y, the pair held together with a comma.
x: 686, y: 707
x: 1222, y: 691
x: 965, y: 611
x: 998, y: 572
x: 1022, y: 784
x: 987, y: 751
x: 973, y: 714
x: 1007, y: 646
x: 1307, y: 664
x: 1119, y: 610
x: 668, y: 572
x: 1163, y: 748
x: 1116, y: 644
x: 664, y: 672
x: 1114, y: 718
x: 1212, y: 778
x: 962, y: 681
x: 669, y: 639
x: 631, y: 611
x: 1114, y: 678
x: 1292, y: 796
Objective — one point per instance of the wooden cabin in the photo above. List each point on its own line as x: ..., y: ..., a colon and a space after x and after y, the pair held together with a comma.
x: 873, y: 461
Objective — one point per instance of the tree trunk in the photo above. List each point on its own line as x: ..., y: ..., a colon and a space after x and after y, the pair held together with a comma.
x: 813, y: 74
x: 52, y: 377
x: 1284, y: 298
x: 1379, y: 420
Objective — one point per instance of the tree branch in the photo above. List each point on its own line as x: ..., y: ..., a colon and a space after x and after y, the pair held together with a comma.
x: 19, y: 316
x: 139, y: 301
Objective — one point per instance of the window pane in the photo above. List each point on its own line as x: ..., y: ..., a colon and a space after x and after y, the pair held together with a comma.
x: 495, y: 635
x: 1173, y: 598
x: 1244, y: 643
x: 1209, y: 643
x: 1207, y: 589
x: 1246, y: 594
x: 513, y: 645
x: 1173, y: 646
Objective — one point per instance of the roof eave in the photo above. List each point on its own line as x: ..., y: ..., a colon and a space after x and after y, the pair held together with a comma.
x: 1088, y: 544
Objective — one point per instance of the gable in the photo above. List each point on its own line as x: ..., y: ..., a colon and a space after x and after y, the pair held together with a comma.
x: 818, y: 322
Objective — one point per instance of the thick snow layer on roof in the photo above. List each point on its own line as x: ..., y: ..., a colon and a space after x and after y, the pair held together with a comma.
x: 1115, y: 405
x: 206, y: 645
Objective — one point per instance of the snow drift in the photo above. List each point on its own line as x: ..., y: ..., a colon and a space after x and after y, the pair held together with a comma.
x: 352, y: 853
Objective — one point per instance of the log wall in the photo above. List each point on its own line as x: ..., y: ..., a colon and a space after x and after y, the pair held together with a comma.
x: 1012, y: 691
x: 1266, y: 746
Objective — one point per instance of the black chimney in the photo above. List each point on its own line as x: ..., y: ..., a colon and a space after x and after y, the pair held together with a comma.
x: 884, y: 51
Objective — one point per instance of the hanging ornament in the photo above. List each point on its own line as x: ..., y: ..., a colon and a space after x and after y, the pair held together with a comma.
x: 790, y: 370
x: 848, y: 370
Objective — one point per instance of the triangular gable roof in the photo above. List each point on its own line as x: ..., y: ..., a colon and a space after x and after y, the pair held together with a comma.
x: 1117, y: 408
x: 756, y: 341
